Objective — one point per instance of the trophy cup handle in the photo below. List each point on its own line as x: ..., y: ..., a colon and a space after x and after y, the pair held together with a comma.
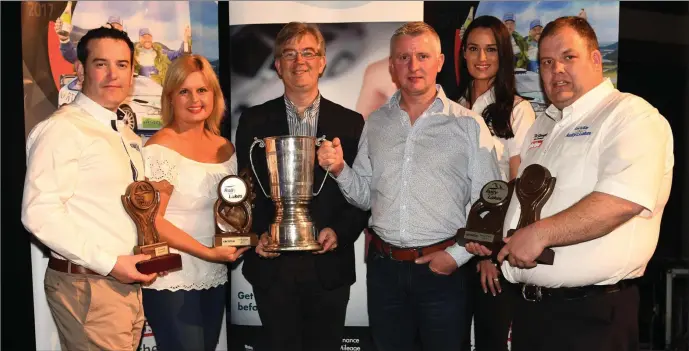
x: 251, y: 160
x: 327, y: 171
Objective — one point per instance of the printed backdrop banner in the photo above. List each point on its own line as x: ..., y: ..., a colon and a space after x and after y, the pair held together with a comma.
x: 526, y: 20
x: 357, y: 45
x: 50, y: 31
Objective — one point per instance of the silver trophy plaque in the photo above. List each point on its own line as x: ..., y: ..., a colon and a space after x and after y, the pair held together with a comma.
x: 291, y: 160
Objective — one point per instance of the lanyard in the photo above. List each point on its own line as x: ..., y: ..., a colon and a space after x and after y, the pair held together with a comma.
x: 135, y: 173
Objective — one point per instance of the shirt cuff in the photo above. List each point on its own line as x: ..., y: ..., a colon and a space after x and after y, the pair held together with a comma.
x: 103, y: 263
x: 345, y: 176
x: 459, y: 253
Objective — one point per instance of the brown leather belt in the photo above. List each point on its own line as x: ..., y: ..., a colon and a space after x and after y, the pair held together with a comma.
x: 68, y: 267
x: 409, y: 253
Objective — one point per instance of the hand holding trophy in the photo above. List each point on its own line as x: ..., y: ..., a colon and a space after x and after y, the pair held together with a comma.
x: 232, y: 211
x: 485, y: 220
x: 141, y: 201
x: 290, y: 161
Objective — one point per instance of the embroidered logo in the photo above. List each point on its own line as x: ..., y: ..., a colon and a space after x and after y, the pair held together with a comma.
x: 537, y: 140
x: 579, y: 131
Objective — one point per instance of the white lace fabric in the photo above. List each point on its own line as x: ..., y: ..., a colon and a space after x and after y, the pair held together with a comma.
x: 190, y: 209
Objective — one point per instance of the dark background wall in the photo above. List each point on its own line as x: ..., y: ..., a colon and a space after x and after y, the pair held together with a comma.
x: 653, y: 63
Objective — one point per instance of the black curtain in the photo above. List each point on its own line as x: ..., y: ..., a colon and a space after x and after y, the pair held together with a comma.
x: 446, y: 17
x: 15, y: 263
x: 224, y: 45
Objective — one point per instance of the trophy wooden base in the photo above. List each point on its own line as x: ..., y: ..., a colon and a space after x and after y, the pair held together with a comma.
x: 235, y: 240
x: 161, y: 259
x: 490, y: 241
x: 495, y: 244
x: 547, y: 257
x: 165, y: 263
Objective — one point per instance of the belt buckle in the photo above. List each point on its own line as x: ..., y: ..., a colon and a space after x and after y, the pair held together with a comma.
x: 538, y: 295
x: 390, y: 253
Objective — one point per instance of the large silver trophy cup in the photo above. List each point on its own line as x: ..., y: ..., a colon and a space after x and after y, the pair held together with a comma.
x: 290, y: 165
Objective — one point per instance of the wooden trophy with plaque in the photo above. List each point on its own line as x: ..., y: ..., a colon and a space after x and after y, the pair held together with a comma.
x: 487, y: 214
x: 486, y: 217
x: 141, y: 201
x: 533, y: 190
x: 233, y: 211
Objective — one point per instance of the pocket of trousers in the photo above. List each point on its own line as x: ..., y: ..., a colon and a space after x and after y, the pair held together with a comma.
x: 73, y: 291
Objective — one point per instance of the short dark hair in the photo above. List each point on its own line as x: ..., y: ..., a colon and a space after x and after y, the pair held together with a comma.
x: 579, y: 24
x: 102, y: 33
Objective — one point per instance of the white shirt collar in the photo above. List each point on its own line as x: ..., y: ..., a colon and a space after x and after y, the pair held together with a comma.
x: 584, y: 104
x: 98, y: 112
x: 485, y: 99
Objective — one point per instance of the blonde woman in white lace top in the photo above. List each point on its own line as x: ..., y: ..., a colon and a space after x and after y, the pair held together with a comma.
x: 185, y: 160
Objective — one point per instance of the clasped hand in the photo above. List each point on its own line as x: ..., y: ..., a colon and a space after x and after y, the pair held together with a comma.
x: 327, y: 238
x: 521, y: 249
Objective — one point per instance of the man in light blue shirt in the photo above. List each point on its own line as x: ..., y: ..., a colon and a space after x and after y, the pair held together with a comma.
x: 422, y: 161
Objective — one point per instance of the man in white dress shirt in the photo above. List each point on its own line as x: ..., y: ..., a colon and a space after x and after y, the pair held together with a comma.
x: 79, y: 163
x: 612, y: 156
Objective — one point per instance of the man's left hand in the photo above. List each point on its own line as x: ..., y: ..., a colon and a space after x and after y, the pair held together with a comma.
x: 522, y: 248
x: 328, y: 239
x: 440, y: 262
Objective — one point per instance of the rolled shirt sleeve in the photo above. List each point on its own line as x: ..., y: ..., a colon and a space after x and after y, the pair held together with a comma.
x: 634, y: 157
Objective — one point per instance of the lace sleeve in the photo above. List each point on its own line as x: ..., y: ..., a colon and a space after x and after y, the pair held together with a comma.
x: 161, y: 164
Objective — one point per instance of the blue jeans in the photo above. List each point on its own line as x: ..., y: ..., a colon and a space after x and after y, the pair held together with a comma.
x: 408, y: 304
x: 185, y: 320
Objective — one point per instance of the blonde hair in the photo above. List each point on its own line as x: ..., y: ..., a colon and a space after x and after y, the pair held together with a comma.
x: 414, y: 29
x: 177, y: 73
x: 297, y: 30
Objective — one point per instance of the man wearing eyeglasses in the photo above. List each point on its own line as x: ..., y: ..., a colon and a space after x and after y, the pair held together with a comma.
x: 302, y: 296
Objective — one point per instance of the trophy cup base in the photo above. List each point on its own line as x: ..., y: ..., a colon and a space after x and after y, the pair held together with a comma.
x: 293, y: 237
x: 297, y: 247
x: 164, y: 263
x: 238, y: 240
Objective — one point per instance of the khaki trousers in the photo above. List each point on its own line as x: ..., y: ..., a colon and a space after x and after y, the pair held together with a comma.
x: 93, y: 312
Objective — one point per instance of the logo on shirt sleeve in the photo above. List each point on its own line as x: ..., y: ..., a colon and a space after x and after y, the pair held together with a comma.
x: 537, y: 140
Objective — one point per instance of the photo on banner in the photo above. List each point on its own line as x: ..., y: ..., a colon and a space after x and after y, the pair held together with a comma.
x: 161, y: 31
x: 526, y: 19
x: 357, y: 38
